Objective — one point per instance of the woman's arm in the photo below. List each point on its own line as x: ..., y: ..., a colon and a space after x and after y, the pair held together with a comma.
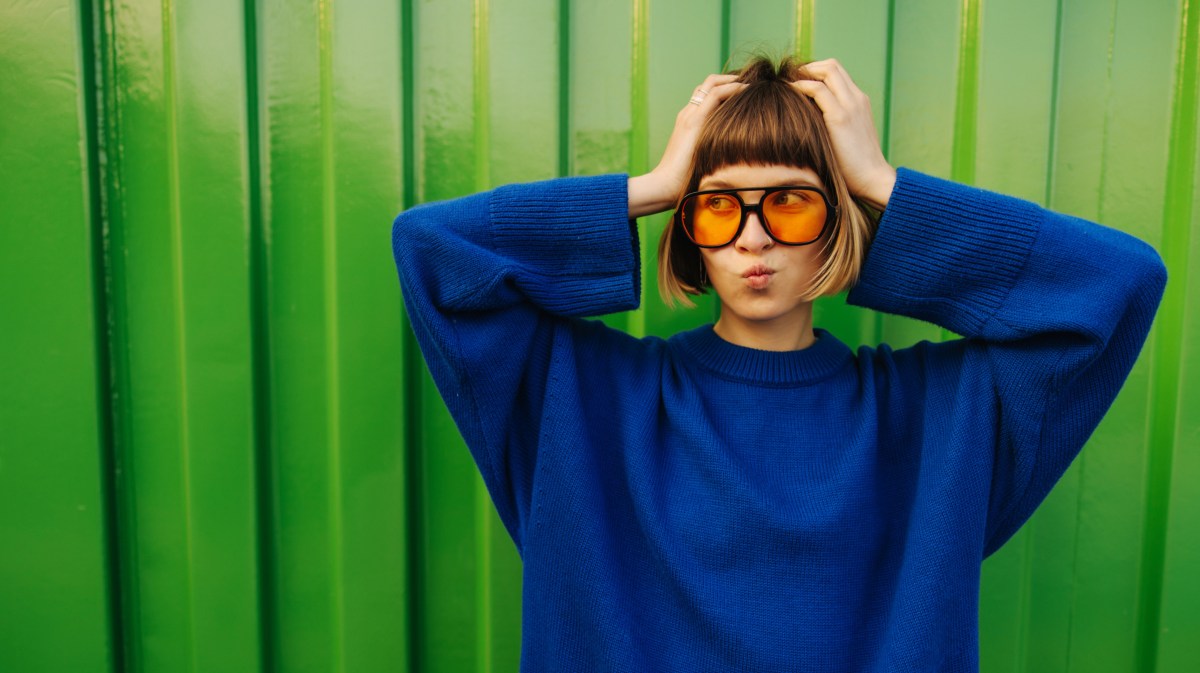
x: 487, y: 281
x: 1057, y: 307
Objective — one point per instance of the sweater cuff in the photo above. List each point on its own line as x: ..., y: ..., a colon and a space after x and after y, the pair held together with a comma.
x: 946, y: 253
x: 579, y: 232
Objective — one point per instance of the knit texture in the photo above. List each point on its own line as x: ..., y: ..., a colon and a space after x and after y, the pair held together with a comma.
x: 692, y: 505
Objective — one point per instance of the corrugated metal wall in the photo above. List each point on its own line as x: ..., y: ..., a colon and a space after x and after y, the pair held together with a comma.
x: 218, y: 447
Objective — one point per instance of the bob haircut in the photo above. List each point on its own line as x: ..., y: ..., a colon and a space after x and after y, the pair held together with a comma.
x: 770, y: 122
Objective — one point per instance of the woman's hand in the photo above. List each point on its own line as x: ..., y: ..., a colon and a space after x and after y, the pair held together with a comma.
x: 657, y: 190
x: 847, y: 112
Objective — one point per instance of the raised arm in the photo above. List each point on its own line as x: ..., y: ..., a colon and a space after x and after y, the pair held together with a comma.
x: 1058, y: 308
x: 1055, y: 308
x: 489, y: 281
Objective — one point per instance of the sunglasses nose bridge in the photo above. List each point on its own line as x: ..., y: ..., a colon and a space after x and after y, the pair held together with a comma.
x: 754, y: 235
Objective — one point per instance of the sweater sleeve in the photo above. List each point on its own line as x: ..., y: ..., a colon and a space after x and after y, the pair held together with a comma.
x: 489, y: 281
x: 1059, y: 308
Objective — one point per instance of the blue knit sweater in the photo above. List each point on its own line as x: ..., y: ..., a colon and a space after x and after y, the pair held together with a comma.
x: 692, y: 505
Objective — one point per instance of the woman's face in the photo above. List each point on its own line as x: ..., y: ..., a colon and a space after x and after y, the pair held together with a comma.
x: 761, y: 282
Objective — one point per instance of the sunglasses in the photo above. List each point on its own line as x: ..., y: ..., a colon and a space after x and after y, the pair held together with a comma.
x: 713, y: 218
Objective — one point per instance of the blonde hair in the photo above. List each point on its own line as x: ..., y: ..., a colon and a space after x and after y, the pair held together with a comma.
x: 770, y: 123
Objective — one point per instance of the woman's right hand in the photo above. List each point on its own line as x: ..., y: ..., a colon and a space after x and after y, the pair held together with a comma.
x: 657, y: 190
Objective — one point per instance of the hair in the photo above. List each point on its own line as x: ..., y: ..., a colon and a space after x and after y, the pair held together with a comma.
x: 770, y: 122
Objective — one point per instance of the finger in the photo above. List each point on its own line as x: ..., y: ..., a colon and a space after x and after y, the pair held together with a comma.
x: 831, y: 73
x: 703, y: 103
x: 717, y: 95
x: 834, y: 76
x: 720, y: 92
x: 706, y: 87
x: 819, y: 91
x: 713, y: 81
x: 825, y: 68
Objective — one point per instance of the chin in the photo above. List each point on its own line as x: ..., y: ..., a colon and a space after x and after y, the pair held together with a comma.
x: 761, y: 314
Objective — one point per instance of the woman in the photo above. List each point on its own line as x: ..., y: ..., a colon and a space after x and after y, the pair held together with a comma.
x: 753, y: 495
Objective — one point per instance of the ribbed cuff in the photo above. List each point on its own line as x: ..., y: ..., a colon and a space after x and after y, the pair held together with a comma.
x: 577, y: 229
x: 946, y: 253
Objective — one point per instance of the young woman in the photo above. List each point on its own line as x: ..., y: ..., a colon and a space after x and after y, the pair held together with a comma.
x: 753, y: 495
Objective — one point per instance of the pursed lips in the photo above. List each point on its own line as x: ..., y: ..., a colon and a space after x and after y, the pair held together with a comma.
x: 758, y: 276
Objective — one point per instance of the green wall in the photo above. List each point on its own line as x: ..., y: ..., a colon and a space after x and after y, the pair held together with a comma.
x: 219, y: 450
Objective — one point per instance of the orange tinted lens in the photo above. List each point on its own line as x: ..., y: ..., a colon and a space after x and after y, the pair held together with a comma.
x: 712, y: 219
x: 795, y: 216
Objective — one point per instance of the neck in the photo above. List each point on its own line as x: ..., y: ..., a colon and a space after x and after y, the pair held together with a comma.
x: 790, y: 332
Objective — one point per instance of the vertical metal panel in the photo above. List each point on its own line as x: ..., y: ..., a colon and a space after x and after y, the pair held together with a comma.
x: 639, y: 131
x: 1179, y: 620
x: 769, y: 26
x: 365, y: 143
x: 301, y: 254
x: 250, y: 157
x: 176, y: 188
x: 53, y: 430
x: 331, y: 99
x: 1173, y: 484
x: 453, y: 501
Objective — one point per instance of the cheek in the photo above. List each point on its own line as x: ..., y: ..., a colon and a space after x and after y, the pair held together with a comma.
x: 808, y: 255
x: 813, y: 256
x: 711, y: 262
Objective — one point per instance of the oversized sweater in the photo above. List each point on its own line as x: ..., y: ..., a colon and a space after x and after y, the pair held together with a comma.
x: 692, y: 505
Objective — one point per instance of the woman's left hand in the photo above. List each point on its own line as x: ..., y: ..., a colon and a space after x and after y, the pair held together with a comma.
x: 847, y: 112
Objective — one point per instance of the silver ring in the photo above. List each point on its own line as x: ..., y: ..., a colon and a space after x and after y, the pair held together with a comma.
x: 703, y: 91
x: 696, y: 100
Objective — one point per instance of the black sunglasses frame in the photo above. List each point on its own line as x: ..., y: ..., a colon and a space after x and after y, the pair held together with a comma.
x: 831, y: 212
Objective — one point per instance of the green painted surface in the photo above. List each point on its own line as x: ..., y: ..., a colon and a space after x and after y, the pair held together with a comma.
x: 330, y: 98
x: 220, y: 450
x: 175, y: 179
x: 54, y: 565
x: 1153, y: 644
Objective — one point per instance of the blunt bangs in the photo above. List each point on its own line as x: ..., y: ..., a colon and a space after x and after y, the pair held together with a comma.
x: 768, y: 122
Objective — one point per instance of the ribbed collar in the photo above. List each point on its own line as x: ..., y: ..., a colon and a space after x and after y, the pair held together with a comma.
x: 750, y: 365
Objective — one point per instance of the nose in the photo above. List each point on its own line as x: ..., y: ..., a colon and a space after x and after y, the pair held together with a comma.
x: 754, y: 237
